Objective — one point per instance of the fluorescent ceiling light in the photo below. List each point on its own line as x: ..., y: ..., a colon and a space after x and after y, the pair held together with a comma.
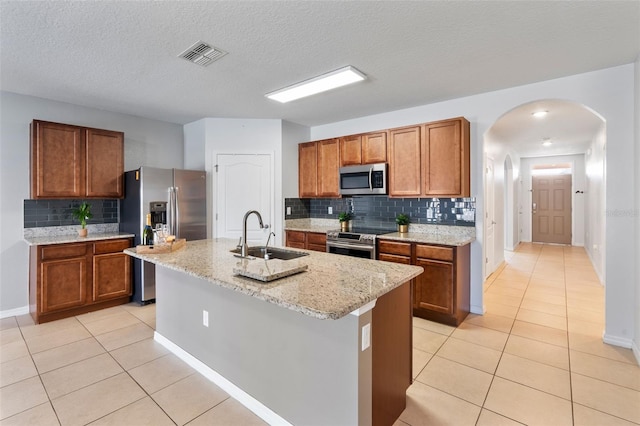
x: 322, y: 83
x: 540, y: 114
x: 547, y: 142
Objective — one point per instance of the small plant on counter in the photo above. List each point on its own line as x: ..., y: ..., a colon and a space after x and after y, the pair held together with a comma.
x: 82, y: 213
x: 344, y: 217
x: 403, y: 223
x: 402, y: 219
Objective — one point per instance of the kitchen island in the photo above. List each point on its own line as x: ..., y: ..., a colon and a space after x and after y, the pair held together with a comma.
x: 330, y: 345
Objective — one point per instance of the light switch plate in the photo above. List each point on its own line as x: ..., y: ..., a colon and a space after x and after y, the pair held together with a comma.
x: 205, y: 318
x: 366, y: 336
x: 288, y: 210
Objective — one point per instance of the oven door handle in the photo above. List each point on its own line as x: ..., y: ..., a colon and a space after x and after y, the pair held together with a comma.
x: 351, y: 246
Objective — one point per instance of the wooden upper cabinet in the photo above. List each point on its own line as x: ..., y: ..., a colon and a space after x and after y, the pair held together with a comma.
x: 104, y: 163
x: 374, y: 148
x: 318, y: 169
x: 307, y: 169
x: 351, y: 150
x: 57, y: 160
x: 445, y: 158
x: 74, y: 162
x: 368, y: 148
x: 404, y: 162
x: 328, y: 168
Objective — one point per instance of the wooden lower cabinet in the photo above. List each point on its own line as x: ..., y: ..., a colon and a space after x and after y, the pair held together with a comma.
x: 74, y: 278
x: 316, y: 241
x: 391, y: 358
x: 441, y: 292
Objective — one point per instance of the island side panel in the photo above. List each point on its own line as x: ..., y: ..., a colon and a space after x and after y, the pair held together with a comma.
x: 308, y: 371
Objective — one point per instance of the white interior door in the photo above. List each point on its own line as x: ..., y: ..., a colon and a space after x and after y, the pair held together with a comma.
x: 489, y: 218
x: 243, y: 182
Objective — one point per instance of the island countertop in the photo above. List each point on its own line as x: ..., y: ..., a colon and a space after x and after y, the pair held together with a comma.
x: 332, y: 287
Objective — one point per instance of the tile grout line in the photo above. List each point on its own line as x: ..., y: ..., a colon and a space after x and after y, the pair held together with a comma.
x: 493, y: 376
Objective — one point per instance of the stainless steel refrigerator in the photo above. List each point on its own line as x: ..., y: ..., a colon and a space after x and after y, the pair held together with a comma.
x: 177, y: 198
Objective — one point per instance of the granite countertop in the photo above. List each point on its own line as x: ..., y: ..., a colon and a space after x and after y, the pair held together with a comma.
x: 331, y: 287
x: 74, y: 238
x: 427, y: 234
x: 429, y: 238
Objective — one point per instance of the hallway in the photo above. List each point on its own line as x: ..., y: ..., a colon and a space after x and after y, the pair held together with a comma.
x: 535, y: 357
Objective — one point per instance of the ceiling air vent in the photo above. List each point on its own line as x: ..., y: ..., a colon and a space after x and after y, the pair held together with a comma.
x: 202, y: 54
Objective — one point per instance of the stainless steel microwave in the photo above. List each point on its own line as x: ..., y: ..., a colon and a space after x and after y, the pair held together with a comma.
x: 368, y: 179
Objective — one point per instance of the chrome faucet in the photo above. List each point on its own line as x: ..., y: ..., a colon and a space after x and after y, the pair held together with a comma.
x: 244, y: 250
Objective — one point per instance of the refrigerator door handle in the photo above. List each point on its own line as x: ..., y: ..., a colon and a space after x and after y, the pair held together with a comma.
x: 177, y: 210
x: 170, y: 211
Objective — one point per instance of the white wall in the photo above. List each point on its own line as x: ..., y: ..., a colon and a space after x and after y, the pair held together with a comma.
x: 595, y: 202
x: 209, y: 137
x: 498, y: 151
x: 292, y: 135
x: 577, y: 200
x: 610, y: 93
x: 148, y: 142
x: 636, y: 339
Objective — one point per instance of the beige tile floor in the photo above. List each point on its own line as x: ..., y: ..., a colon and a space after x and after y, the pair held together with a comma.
x: 536, y: 357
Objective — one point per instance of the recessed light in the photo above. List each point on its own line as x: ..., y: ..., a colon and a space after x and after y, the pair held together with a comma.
x: 540, y: 114
x: 322, y: 83
x: 547, y: 142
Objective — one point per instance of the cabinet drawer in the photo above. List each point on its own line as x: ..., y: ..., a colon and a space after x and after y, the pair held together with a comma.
x: 110, y: 246
x: 433, y: 252
x: 63, y: 251
x: 393, y: 247
x: 316, y: 239
x: 295, y: 237
x: 394, y: 258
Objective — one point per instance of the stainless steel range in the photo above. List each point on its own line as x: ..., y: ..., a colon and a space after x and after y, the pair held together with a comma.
x: 358, y: 242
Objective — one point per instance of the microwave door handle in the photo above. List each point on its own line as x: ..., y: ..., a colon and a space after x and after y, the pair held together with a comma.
x: 370, y: 179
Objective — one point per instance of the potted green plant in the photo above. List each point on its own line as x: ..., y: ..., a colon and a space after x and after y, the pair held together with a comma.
x: 403, y: 223
x: 82, y: 213
x: 344, y: 219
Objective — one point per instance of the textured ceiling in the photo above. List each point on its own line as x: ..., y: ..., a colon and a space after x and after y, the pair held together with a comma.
x: 122, y: 56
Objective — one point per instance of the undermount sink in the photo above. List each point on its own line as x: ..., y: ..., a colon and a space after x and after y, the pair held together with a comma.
x: 273, y: 253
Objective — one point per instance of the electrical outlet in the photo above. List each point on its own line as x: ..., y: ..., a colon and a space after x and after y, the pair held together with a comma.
x: 205, y: 318
x: 288, y: 210
x: 366, y: 336
x: 330, y: 210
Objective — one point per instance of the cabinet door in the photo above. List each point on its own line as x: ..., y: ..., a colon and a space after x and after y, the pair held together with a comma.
x: 104, y: 163
x: 295, y: 239
x: 445, y: 165
x: 316, y: 241
x: 328, y: 168
x: 63, y: 284
x: 374, y: 148
x: 351, y: 150
x: 434, y: 287
x: 111, y: 276
x: 307, y: 169
x: 57, y: 160
x: 404, y: 162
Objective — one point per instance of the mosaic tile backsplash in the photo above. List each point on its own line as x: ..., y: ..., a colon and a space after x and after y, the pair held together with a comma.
x: 43, y: 213
x: 381, y: 211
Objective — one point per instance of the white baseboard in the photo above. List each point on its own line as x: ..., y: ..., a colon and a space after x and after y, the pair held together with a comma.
x: 234, y: 391
x: 636, y: 351
x: 623, y: 342
x: 14, y: 312
x: 475, y: 309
